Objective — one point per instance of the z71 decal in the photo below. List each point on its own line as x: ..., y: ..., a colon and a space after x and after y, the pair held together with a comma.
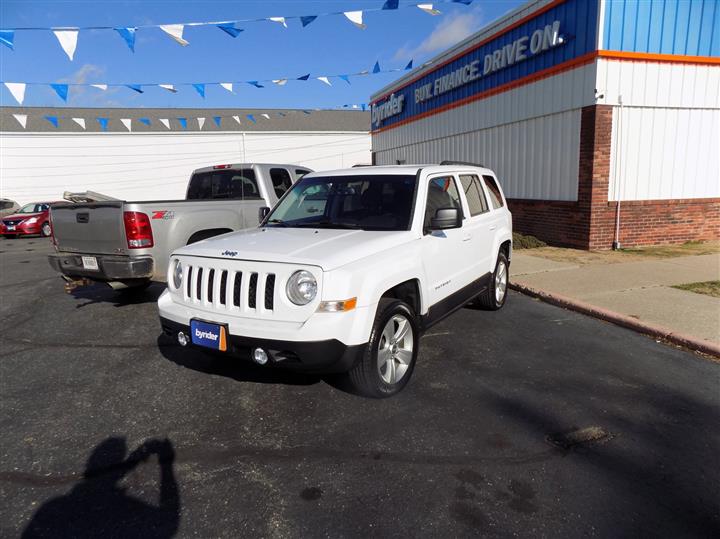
x: 163, y: 214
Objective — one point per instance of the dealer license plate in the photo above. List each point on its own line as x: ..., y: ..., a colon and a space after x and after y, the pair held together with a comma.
x: 90, y: 263
x: 209, y: 335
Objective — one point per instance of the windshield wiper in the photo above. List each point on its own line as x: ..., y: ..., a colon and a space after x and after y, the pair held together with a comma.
x: 330, y: 224
x: 278, y: 222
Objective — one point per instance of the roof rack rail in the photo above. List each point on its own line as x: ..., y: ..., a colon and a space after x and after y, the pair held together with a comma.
x: 462, y: 163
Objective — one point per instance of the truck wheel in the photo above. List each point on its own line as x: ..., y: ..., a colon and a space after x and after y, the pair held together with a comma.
x: 496, y: 294
x: 46, y: 230
x: 388, y: 362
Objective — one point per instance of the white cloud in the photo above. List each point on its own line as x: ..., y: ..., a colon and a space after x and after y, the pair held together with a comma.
x: 450, y: 31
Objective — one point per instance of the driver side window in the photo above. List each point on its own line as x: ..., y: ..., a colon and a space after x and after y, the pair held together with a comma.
x: 442, y: 193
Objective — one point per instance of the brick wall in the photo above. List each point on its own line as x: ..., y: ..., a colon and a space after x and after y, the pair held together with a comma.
x: 589, y: 223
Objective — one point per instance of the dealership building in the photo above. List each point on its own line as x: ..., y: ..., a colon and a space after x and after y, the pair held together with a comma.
x: 601, y: 118
x: 146, y: 154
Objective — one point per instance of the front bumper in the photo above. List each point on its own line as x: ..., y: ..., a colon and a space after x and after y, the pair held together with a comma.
x: 21, y: 230
x: 322, y: 357
x: 110, y: 268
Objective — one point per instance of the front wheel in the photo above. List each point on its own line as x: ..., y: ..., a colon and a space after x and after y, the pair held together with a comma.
x: 388, y: 362
x: 496, y: 294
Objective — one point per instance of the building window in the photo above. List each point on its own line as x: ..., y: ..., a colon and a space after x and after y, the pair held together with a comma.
x: 494, y: 192
x: 474, y: 194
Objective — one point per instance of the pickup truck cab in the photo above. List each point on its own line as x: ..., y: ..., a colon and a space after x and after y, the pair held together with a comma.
x: 347, y: 271
x: 128, y: 244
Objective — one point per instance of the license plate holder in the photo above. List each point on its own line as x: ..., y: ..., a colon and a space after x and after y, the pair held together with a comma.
x: 209, y: 335
x: 11, y: 227
x: 90, y: 263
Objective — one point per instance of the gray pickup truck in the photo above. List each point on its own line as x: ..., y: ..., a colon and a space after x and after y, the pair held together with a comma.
x: 128, y: 244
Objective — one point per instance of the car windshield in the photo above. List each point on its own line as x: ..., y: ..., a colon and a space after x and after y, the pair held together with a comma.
x: 33, y: 208
x: 367, y: 202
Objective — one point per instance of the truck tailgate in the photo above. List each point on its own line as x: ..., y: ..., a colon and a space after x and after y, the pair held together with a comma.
x: 95, y: 227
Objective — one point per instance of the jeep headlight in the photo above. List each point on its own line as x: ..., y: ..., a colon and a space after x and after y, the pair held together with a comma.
x: 301, y: 287
x: 177, y: 274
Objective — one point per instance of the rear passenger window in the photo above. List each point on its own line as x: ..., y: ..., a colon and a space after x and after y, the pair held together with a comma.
x: 474, y: 194
x: 281, y: 180
x: 442, y: 193
x: 224, y: 184
x: 494, y: 192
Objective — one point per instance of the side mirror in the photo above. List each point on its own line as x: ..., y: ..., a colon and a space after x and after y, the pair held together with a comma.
x: 446, y: 218
x: 262, y: 213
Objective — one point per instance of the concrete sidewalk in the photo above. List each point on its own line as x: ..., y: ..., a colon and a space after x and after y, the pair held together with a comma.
x: 640, y: 289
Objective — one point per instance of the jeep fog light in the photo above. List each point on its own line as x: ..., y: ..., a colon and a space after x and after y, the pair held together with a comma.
x: 337, y: 306
x: 301, y: 287
x: 182, y: 338
x: 177, y: 275
x: 260, y: 356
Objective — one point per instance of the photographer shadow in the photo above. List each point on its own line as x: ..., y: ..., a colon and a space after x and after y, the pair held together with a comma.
x: 99, y: 506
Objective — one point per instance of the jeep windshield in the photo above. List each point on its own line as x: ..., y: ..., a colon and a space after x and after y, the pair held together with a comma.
x: 371, y: 202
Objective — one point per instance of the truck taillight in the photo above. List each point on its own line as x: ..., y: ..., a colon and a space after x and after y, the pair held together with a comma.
x: 52, y: 231
x: 221, y: 167
x: 138, y: 230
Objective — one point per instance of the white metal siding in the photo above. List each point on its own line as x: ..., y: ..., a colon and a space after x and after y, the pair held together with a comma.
x: 665, y: 153
x: 135, y: 166
x: 534, y: 159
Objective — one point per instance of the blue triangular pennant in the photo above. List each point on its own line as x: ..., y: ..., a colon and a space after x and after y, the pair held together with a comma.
x: 255, y: 83
x: 7, y: 38
x: 183, y: 122
x: 306, y: 111
x: 363, y: 106
x: 390, y: 4
x: 304, y: 77
x: 466, y: 2
x: 61, y: 90
x: 408, y: 66
x: 346, y: 78
x: 135, y: 87
x: 128, y: 34
x: 251, y: 118
x: 376, y: 67
x: 52, y: 119
x: 103, y: 123
x: 146, y: 121
x: 217, y: 120
x: 230, y: 29
x: 307, y: 19
x: 200, y: 88
x: 282, y: 114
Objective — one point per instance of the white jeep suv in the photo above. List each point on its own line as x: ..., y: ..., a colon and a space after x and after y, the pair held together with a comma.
x: 346, y: 272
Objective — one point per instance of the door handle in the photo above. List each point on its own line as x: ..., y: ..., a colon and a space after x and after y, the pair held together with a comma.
x: 493, y: 227
x: 467, y: 237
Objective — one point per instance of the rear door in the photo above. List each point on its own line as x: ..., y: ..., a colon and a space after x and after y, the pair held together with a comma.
x: 480, y: 224
x: 96, y: 227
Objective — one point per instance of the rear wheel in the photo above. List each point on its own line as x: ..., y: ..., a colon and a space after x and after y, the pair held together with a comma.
x: 46, y: 230
x: 388, y: 362
x: 496, y: 294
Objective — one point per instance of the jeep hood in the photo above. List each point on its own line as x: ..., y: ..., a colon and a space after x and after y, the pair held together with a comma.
x: 323, y: 247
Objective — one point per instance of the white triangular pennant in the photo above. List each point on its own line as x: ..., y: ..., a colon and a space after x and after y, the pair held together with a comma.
x: 201, y: 122
x: 22, y: 119
x: 99, y: 86
x: 175, y: 31
x: 127, y: 122
x: 68, y: 40
x: 265, y: 116
x: 325, y: 80
x: 281, y: 20
x: 355, y: 17
x: 80, y: 122
x: 228, y: 86
x: 237, y: 119
x: 165, y: 122
x: 168, y: 87
x: 280, y: 82
x: 429, y: 9
x: 17, y: 89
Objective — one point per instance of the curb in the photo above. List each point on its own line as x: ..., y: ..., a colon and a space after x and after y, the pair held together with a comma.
x: 657, y: 332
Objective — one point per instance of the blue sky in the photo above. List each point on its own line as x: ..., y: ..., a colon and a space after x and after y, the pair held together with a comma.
x: 265, y: 50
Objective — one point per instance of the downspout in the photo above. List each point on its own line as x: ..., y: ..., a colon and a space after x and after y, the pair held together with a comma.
x: 243, y: 147
x: 618, y: 196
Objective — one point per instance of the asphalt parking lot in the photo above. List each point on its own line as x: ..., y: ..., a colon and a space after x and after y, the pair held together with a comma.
x: 109, y: 429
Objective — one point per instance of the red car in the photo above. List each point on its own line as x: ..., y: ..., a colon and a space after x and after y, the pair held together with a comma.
x: 30, y: 219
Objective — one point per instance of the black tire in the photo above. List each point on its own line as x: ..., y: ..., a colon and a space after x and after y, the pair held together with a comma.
x: 45, y: 230
x: 488, y: 300
x: 366, y: 378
